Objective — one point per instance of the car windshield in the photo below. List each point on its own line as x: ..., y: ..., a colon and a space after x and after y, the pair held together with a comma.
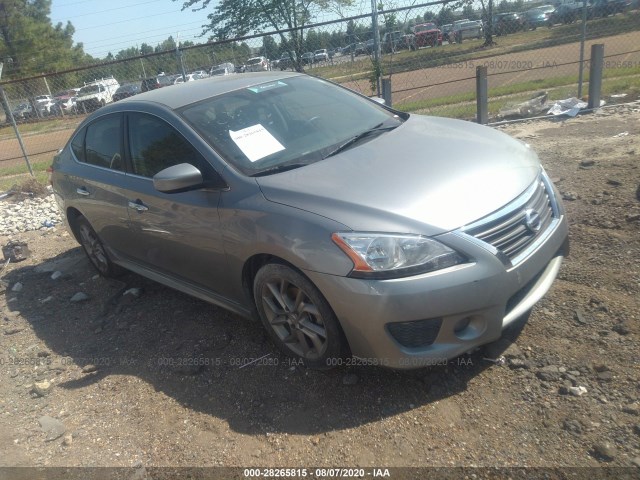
x: 253, y: 61
x: 297, y: 120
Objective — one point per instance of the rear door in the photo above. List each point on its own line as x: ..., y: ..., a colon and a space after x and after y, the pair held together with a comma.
x: 95, y: 182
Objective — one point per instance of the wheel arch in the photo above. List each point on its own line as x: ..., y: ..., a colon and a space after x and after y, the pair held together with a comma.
x: 251, y: 267
x: 72, y: 216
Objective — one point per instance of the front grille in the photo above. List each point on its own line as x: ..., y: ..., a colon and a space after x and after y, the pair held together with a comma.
x: 416, y: 334
x: 509, y: 232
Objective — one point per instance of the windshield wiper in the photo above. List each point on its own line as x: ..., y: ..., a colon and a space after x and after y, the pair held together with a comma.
x: 353, y: 140
x: 279, y: 168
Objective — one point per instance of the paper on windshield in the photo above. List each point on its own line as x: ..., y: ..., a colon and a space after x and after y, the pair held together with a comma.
x: 255, y: 142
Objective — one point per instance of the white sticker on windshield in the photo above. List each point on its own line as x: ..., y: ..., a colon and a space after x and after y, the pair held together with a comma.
x: 256, y: 142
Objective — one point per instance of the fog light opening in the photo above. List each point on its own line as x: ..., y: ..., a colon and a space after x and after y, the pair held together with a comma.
x: 462, y: 324
x: 470, y: 327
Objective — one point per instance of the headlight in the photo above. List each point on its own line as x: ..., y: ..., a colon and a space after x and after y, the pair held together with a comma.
x: 380, y: 255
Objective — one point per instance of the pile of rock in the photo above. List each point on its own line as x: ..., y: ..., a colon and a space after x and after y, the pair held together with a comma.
x: 33, y: 213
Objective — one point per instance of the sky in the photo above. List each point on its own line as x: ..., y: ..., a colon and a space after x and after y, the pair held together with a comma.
x: 104, y: 27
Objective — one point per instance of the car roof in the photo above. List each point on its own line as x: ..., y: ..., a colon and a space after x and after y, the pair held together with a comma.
x: 177, y: 96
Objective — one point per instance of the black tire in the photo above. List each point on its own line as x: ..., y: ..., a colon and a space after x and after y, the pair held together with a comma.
x: 297, y: 317
x: 94, y: 249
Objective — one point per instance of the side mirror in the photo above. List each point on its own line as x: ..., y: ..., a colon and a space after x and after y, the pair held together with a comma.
x: 178, y: 178
x: 379, y: 100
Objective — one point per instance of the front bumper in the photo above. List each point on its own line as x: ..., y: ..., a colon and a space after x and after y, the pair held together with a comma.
x: 451, y: 311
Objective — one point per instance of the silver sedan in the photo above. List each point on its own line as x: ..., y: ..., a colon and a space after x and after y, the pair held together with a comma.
x: 348, y: 228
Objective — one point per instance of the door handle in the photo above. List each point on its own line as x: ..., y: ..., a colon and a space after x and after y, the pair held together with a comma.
x: 82, y: 191
x: 138, y: 205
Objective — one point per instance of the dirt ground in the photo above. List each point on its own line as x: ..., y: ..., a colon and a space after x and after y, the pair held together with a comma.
x: 116, y: 373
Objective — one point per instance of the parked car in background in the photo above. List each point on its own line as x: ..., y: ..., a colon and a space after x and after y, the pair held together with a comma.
x: 360, y: 48
x: 392, y: 41
x: 223, y: 69
x: 427, y: 34
x: 604, y: 8
x: 201, y: 74
x: 307, y: 58
x: 190, y: 77
x: 154, y: 83
x: 257, y: 64
x: 65, y: 102
x: 408, y: 41
x: 125, y: 91
x: 287, y: 60
x: 445, y: 32
x: 369, y: 45
x: 464, y: 30
x: 537, y: 17
x: 565, y: 13
x: 24, y: 111
x: 505, y: 23
x: 321, y: 55
x: 96, y: 94
x: 43, y: 104
x: 263, y: 205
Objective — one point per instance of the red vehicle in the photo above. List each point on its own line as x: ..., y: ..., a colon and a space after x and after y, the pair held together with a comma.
x: 427, y: 34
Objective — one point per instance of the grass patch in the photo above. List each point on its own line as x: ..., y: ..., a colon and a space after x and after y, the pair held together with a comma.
x: 465, y: 107
x: 17, y: 182
x: 619, y: 80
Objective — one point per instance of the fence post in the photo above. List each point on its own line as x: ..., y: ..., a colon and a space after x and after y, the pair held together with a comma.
x: 595, y: 74
x: 482, y: 103
x: 386, y: 91
x: 583, y: 38
x: 5, y: 102
x: 376, y: 46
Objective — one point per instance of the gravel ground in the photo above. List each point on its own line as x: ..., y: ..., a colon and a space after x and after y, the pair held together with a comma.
x: 98, y: 372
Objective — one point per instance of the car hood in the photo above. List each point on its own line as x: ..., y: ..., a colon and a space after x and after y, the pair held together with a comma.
x: 430, y: 175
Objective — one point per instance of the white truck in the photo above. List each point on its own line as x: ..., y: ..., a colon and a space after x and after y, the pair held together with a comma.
x: 96, y: 94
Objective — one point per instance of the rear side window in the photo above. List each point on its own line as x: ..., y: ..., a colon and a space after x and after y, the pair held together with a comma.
x: 156, y: 145
x: 100, y: 143
x: 103, y: 143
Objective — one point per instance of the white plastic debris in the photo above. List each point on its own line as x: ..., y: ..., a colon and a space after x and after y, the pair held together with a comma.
x: 621, y: 134
x: 501, y: 360
x: 619, y: 95
x: 577, y: 391
x: 570, y: 107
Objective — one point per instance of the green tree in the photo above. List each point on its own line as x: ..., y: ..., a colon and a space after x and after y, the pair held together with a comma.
x: 235, y: 18
x: 445, y: 16
x: 30, y: 44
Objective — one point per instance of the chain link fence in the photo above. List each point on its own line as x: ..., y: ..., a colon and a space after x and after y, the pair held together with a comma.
x: 428, y: 53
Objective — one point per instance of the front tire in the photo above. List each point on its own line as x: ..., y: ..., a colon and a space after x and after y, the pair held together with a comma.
x: 297, y: 317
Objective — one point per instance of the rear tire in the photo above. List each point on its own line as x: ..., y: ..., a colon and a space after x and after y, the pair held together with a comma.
x: 297, y: 317
x: 95, y: 250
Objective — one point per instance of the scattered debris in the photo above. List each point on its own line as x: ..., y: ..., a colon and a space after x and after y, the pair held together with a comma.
x: 16, y: 251
x: 79, y: 297
x: 570, y: 107
x: 577, y: 391
x: 42, y: 388
x: 605, y: 450
x: 621, y: 134
x: 17, y: 287
x: 54, y: 428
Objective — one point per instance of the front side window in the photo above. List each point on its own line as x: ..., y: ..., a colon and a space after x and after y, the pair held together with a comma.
x: 294, y: 120
x: 156, y: 145
x: 100, y: 143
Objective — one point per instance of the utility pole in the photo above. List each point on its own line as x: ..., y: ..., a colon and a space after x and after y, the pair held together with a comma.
x: 179, y: 53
